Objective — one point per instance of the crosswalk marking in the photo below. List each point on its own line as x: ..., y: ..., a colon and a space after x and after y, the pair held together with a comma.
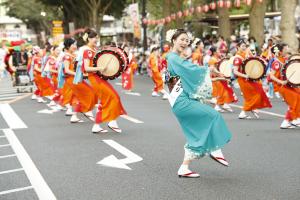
x: 8, y: 156
x: 16, y: 190
x: 8, y: 92
x: 11, y: 171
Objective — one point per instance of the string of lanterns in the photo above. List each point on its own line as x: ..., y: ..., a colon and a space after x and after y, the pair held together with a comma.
x: 198, y: 9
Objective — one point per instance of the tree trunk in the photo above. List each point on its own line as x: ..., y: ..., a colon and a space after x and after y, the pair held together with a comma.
x: 224, y: 23
x: 288, y: 25
x: 256, y: 20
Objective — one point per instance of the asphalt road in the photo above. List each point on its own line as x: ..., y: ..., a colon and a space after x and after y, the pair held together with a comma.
x: 264, y: 160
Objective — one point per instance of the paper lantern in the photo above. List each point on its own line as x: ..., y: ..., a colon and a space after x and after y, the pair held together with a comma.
x: 199, y: 9
x: 220, y: 3
x: 205, y: 8
x: 212, y: 6
x: 173, y: 16
x: 145, y: 21
x: 192, y: 10
x: 248, y: 2
x: 168, y: 19
x: 186, y: 12
x: 228, y: 4
x: 163, y: 21
x: 237, y: 3
x: 179, y: 14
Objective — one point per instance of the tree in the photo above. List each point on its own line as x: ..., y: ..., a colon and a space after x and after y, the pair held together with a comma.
x: 224, y: 23
x: 256, y: 20
x: 287, y: 24
x: 88, y: 12
x: 31, y: 15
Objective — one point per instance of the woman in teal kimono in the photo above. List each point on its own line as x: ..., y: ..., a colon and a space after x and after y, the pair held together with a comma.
x: 190, y: 85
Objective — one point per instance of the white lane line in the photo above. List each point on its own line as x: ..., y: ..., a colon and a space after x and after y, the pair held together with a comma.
x: 16, y: 190
x: 261, y: 111
x: 8, y: 156
x: 4, y: 145
x: 11, y: 171
x: 131, y: 119
x: 11, y: 118
x: 133, y: 93
x: 41, y: 187
x: 2, y: 136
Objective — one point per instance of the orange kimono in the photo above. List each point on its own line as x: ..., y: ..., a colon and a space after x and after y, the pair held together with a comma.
x: 127, y: 76
x: 67, y: 96
x: 110, y: 107
x: 156, y: 76
x: 253, y: 93
x: 279, y: 61
x: 52, y: 64
x: 212, y: 62
x: 197, y: 57
x: 290, y: 95
x: 45, y: 88
x: 222, y: 91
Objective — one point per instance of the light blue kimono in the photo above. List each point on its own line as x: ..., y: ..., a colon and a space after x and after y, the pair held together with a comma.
x: 204, y: 128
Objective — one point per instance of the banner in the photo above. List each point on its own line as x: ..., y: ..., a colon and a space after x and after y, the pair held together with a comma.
x: 133, y: 11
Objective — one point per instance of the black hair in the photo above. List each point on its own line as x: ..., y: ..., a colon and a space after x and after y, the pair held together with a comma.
x: 53, y: 47
x: 178, y: 33
x: 90, y: 33
x: 213, y: 50
x: 252, y: 38
x: 68, y: 43
x: 154, y: 49
x: 278, y: 47
x: 240, y: 42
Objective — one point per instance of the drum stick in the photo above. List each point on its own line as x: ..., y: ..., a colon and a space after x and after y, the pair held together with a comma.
x: 105, y: 66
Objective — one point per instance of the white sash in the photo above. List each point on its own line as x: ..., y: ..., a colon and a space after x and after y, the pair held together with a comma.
x: 176, y: 91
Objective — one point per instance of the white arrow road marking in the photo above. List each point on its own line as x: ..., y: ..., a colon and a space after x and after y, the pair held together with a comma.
x: 112, y: 161
x: 261, y: 111
x: 131, y: 119
x: 133, y: 93
x: 11, y: 118
x: 46, y: 111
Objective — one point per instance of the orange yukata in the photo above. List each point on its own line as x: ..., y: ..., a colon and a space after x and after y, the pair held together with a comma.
x: 290, y: 95
x: 222, y: 91
x: 253, y: 93
x: 156, y: 76
x: 278, y: 62
x: 127, y: 76
x: 51, y: 61
x: 67, y: 96
x: 110, y: 107
x: 215, y: 84
x: 45, y: 88
x: 197, y: 57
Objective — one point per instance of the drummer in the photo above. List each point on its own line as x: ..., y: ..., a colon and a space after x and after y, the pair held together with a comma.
x: 290, y: 95
x: 110, y: 107
x: 221, y: 90
x: 253, y: 93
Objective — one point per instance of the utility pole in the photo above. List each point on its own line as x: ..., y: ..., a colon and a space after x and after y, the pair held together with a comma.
x: 144, y: 15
